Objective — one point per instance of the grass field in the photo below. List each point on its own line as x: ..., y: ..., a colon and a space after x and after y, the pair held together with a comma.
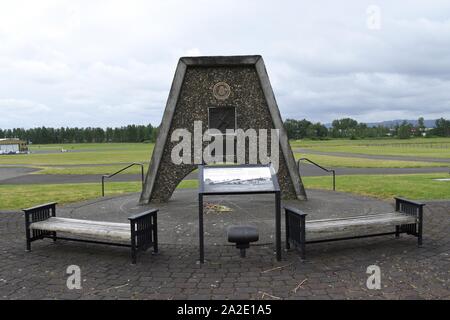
x: 106, y: 158
x: 90, y: 146
x: 349, y: 162
x: 413, y: 186
x: 16, y: 197
x: 100, y: 170
x: 110, y: 157
x: 371, y: 142
x: 327, y: 161
x: 79, y: 154
x: 417, y: 147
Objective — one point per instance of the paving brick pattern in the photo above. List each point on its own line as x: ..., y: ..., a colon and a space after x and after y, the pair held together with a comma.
x: 332, y: 271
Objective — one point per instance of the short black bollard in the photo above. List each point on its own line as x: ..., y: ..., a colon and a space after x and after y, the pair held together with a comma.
x: 242, y: 236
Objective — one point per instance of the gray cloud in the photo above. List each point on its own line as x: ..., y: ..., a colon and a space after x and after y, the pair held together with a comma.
x: 109, y: 63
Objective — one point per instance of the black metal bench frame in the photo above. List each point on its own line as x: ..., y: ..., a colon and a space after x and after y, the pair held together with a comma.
x: 295, y: 224
x: 143, y: 228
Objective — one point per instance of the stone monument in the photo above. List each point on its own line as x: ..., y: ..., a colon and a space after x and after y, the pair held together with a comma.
x: 223, y: 92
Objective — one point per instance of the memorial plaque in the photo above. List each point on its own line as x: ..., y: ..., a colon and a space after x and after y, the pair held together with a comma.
x: 221, y: 90
x: 222, y: 118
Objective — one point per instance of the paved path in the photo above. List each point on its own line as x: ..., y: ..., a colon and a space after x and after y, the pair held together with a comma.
x: 178, y: 218
x: 310, y: 170
x: 6, y: 165
x: 21, y: 176
x: 67, y: 178
x: 368, y: 156
x: 14, y: 172
x: 332, y: 271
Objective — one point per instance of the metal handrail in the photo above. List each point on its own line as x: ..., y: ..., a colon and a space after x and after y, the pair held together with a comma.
x: 123, y: 169
x: 319, y: 166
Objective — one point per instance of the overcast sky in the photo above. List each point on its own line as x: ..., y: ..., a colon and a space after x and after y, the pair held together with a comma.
x: 111, y: 63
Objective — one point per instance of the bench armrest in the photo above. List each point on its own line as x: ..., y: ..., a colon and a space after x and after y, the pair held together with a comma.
x: 403, y: 200
x: 295, y: 211
x: 151, y: 212
x: 408, y: 207
x: 35, y: 214
x: 295, y: 225
x: 411, y: 208
x: 41, y: 206
x: 39, y: 213
x: 144, y: 231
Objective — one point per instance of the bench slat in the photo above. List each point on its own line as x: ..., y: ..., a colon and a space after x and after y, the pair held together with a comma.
x: 109, y: 230
x: 344, y: 224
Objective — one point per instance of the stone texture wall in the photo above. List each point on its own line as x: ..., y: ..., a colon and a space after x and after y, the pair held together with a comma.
x: 196, y: 96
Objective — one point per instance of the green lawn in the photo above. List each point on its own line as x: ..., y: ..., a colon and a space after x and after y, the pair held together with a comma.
x: 413, y: 186
x: 16, y: 197
x: 84, y: 154
x: 417, y: 147
x: 382, y: 141
x: 112, y: 153
x: 89, y: 146
x: 349, y: 162
x: 100, y: 170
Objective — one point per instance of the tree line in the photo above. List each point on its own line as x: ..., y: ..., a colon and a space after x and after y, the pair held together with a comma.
x: 296, y: 129
x: 352, y: 129
x: 44, y: 135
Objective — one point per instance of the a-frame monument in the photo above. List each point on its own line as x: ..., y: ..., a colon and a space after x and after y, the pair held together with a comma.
x: 234, y: 91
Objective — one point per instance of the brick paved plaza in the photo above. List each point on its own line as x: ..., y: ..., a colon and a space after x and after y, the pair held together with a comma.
x: 331, y: 271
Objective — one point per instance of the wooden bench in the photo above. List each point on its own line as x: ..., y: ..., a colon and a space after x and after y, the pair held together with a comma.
x: 407, y: 218
x: 141, y: 233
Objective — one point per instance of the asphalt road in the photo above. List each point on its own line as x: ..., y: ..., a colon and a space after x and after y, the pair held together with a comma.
x: 66, y: 178
x: 14, y: 172
x: 10, y: 175
x: 369, y: 156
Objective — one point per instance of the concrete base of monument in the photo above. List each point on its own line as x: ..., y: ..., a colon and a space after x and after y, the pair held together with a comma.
x: 178, y: 218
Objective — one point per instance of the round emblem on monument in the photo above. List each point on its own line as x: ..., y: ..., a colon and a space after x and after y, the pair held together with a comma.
x: 221, y: 90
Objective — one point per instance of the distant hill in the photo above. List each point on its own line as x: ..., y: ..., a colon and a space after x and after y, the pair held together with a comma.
x: 393, y: 123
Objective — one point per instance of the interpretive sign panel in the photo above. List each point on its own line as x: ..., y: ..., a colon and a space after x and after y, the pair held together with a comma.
x: 239, y: 179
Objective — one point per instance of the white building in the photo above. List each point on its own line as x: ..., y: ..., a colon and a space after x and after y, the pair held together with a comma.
x: 12, y: 146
